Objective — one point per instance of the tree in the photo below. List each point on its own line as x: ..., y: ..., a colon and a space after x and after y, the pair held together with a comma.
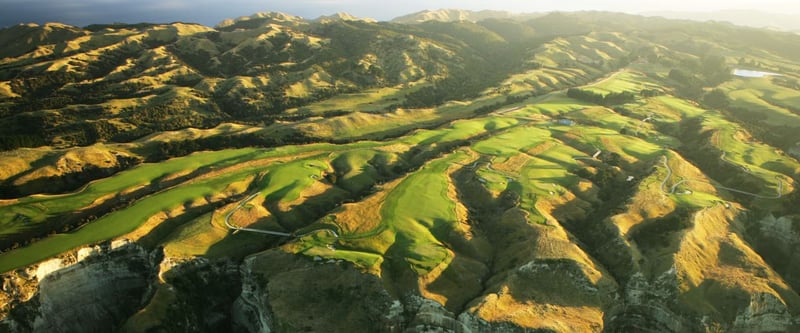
x: 716, y: 99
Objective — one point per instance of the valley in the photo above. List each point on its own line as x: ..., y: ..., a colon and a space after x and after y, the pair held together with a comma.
x: 569, y: 172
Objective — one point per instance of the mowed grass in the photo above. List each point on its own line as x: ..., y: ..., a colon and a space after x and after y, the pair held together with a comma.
x: 415, y: 217
x: 544, y: 79
x: 355, y: 170
x: 607, y: 118
x: 116, y: 223
x: 459, y: 130
x: 37, y: 208
x: 512, y: 142
x: 780, y: 105
x: 674, y: 107
x: 551, y: 105
x: 624, y: 81
x: 756, y: 158
x: 285, y: 183
x: 421, y: 213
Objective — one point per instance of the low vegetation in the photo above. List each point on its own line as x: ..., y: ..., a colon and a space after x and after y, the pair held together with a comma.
x: 457, y: 161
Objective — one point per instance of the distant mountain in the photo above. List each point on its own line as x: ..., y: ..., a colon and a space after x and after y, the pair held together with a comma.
x: 748, y: 18
x: 455, y: 15
x: 574, y: 172
x: 276, y: 17
x: 342, y: 17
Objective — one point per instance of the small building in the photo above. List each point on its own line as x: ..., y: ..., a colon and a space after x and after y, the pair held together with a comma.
x: 565, y: 122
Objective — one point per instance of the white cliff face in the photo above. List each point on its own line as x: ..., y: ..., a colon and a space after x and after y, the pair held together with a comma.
x: 50, y: 266
x: 92, y: 295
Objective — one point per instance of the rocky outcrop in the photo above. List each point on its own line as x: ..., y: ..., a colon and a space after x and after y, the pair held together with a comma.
x: 251, y: 310
x: 429, y: 316
x: 287, y: 293
x: 645, y: 307
x: 766, y: 313
x: 96, y: 293
x: 777, y: 240
x: 202, y: 293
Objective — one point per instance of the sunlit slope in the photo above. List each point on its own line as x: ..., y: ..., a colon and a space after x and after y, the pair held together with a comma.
x: 604, y: 180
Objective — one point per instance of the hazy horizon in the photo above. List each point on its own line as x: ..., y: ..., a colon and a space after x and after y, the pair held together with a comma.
x: 207, y: 12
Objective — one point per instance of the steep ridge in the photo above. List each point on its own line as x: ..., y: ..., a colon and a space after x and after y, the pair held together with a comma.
x: 612, y: 176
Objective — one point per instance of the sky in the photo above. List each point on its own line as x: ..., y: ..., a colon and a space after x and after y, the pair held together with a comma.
x: 210, y: 12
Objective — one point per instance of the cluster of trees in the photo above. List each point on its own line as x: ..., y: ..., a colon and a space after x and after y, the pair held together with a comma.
x: 784, y: 137
x: 494, y: 106
x: 716, y: 99
x: 111, y: 60
x: 786, y: 82
x: 10, y: 142
x: 651, y: 92
x: 168, y: 149
x: 600, y: 99
x: 457, y: 86
x: 688, y: 85
x: 694, y: 76
x: 607, y: 178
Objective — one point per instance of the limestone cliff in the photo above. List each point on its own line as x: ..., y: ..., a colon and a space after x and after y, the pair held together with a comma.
x: 104, y: 285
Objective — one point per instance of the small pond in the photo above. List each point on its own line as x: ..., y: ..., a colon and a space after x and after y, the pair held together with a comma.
x: 752, y: 73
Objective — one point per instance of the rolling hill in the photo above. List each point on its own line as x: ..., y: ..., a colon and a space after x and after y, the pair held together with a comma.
x: 574, y: 172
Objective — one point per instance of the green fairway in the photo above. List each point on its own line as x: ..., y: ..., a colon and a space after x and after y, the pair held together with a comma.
x: 37, y: 208
x: 512, y: 142
x: 624, y: 81
x: 116, y: 223
x: 779, y: 105
x: 417, y: 216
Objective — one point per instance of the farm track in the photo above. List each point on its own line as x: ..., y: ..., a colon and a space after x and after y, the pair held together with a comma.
x: 671, y: 191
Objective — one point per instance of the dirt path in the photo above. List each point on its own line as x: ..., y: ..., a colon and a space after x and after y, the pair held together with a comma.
x: 672, y: 190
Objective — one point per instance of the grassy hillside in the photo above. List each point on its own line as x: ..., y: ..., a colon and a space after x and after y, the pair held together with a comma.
x: 571, y: 172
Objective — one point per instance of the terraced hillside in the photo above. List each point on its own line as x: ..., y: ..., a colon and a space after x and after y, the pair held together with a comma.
x: 571, y: 173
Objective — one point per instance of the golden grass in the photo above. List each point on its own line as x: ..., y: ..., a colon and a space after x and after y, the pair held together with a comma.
x: 196, y: 237
x: 513, y: 164
x: 453, y: 283
x: 5, y: 90
x: 15, y: 162
x: 649, y: 202
x: 363, y: 216
x: 316, y: 188
x: 64, y: 162
x: 250, y: 214
x: 503, y: 307
x: 359, y: 124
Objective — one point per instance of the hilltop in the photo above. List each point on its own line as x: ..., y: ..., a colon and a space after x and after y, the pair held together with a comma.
x: 465, y: 173
x: 456, y: 15
x: 784, y: 22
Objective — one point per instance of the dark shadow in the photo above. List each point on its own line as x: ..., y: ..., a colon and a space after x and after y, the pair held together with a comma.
x: 96, y: 294
x: 69, y: 221
x: 204, y: 294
